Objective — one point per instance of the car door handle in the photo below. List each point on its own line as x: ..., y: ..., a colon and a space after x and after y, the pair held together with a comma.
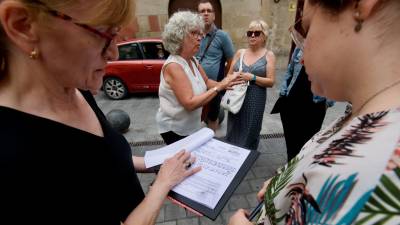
x: 148, y: 66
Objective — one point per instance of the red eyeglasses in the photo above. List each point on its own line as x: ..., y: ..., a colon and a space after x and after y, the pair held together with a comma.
x: 109, y: 35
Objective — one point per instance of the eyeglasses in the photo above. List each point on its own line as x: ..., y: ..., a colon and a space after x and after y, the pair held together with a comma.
x: 109, y: 35
x: 196, y: 34
x: 206, y: 11
x: 256, y: 33
x: 297, y: 36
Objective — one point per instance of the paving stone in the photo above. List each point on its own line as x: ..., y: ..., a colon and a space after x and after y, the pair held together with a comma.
x: 226, y: 216
x: 173, y: 212
x: 161, y: 216
x: 243, y: 188
x: 167, y: 223
x: 238, y: 202
x: 191, y: 221
x: 207, y: 221
x: 264, y: 171
x: 256, y: 184
x: 252, y: 199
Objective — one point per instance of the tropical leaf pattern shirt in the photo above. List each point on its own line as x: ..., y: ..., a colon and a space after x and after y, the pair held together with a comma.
x: 343, y: 175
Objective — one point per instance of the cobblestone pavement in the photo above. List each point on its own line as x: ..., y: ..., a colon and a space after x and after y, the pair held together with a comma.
x: 143, y: 136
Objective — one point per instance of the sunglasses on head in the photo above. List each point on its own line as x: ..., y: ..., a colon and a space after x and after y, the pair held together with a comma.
x: 256, y: 33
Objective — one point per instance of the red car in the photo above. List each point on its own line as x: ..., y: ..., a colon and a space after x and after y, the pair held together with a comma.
x: 137, y: 68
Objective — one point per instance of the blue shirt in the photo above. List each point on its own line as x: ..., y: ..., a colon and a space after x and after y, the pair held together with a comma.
x: 293, y: 72
x: 220, y: 49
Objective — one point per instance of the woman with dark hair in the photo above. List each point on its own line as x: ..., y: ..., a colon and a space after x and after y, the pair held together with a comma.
x: 348, y: 173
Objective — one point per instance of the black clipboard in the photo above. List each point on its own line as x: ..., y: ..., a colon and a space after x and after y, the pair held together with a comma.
x: 202, y: 210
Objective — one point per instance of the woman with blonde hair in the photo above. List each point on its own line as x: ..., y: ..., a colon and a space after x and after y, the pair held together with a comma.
x: 61, y: 162
x: 258, y: 68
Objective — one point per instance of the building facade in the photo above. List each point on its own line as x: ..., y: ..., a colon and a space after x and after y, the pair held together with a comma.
x: 233, y: 16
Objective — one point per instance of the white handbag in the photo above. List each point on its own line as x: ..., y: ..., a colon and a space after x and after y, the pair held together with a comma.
x: 233, y: 99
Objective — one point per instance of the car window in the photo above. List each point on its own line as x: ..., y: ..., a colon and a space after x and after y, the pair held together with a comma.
x: 129, y: 52
x: 154, y: 50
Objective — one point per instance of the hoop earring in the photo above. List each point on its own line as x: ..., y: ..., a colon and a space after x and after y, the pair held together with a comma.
x: 34, y: 54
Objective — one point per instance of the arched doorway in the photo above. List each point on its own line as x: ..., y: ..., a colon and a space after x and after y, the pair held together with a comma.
x: 176, y: 5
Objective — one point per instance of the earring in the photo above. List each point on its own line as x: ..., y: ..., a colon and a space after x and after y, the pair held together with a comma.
x: 357, y: 15
x: 3, y: 64
x: 34, y: 54
x: 359, y: 21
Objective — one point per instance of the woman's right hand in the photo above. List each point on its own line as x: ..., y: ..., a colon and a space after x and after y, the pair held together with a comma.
x: 174, y: 170
x: 240, y: 218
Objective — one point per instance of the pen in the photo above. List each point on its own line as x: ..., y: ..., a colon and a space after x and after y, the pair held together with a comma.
x: 255, y: 211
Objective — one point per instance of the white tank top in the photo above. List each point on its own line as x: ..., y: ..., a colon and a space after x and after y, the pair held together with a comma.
x: 171, y: 115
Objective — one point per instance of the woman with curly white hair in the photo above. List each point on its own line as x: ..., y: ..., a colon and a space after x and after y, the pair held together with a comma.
x: 184, y: 86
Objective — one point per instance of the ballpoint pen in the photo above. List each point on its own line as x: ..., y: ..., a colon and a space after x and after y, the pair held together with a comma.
x: 255, y: 212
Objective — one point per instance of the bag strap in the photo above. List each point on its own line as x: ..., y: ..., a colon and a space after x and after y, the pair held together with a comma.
x: 241, y: 60
x: 208, y: 44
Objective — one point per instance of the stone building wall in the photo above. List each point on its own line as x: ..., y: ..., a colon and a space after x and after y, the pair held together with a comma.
x: 152, y: 15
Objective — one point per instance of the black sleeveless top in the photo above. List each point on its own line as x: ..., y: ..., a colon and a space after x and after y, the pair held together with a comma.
x: 52, y: 173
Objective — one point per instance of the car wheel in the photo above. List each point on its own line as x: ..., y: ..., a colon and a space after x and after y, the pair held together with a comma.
x: 114, y: 88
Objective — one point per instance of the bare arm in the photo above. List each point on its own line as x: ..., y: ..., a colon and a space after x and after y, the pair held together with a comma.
x: 233, y: 62
x: 269, y: 80
x: 172, y: 172
x: 228, y: 65
x: 175, y: 76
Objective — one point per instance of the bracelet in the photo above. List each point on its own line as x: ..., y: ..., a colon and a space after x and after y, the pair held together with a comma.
x: 254, y: 78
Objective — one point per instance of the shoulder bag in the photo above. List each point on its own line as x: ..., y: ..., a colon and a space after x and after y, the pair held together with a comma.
x: 233, y: 99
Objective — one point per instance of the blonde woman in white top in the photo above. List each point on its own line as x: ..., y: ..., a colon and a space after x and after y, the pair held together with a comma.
x: 184, y: 86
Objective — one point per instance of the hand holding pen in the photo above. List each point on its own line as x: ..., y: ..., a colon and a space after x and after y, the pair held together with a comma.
x: 243, y: 217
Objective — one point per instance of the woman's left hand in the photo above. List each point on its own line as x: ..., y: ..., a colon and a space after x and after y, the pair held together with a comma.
x: 240, y: 218
x: 231, y: 80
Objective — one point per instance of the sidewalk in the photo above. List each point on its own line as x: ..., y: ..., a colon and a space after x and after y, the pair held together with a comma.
x: 143, y: 136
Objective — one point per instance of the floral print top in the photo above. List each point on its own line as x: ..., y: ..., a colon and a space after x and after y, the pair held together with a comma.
x: 343, y: 175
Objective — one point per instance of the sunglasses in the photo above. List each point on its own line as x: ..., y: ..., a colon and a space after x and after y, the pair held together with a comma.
x: 256, y: 33
x: 108, y: 35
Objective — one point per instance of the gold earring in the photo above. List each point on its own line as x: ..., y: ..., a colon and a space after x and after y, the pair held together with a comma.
x: 357, y: 15
x: 358, y: 26
x: 34, y: 54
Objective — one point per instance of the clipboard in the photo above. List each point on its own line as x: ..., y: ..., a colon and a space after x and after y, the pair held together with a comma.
x: 202, y: 210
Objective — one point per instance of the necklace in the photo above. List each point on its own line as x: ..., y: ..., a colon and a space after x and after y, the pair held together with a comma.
x: 373, y: 96
x: 341, y: 123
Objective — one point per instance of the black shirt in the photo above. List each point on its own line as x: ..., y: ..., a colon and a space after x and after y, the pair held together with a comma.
x: 52, y: 173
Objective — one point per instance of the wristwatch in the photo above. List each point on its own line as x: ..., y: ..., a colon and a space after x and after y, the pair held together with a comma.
x: 215, y: 89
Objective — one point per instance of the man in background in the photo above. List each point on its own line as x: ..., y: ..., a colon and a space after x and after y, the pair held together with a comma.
x: 215, y: 56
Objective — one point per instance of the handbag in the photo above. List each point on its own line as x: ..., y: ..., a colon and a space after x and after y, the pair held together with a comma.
x: 233, y: 99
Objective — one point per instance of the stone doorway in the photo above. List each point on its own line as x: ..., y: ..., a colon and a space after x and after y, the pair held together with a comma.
x: 175, y: 5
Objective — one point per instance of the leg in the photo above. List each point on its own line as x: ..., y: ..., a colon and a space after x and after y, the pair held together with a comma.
x: 213, y: 113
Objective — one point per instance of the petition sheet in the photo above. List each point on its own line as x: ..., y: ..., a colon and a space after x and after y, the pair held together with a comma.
x: 220, y: 163
x: 190, y: 143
